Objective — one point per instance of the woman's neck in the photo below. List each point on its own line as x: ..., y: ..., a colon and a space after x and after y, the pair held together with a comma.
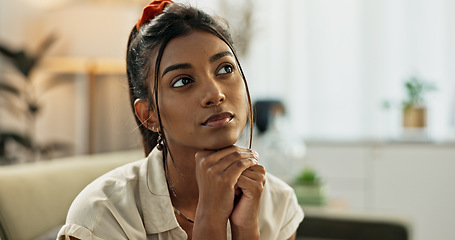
x: 182, y: 182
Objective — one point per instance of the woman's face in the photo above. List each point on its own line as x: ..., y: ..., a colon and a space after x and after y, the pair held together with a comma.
x: 202, y: 96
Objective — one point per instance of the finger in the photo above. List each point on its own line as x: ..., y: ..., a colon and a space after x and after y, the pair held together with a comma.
x: 250, y: 188
x: 224, y: 158
x: 234, y: 170
x: 231, y: 158
x: 224, y: 152
x: 256, y: 172
x: 203, y: 154
x: 257, y: 168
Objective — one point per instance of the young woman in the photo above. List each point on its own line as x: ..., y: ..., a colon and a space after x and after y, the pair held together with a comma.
x: 191, y: 103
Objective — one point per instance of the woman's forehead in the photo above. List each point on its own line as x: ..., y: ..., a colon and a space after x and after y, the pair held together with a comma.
x: 195, y: 46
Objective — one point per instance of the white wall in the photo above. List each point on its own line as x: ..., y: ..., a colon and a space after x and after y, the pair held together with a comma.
x: 334, y: 62
x: 331, y: 61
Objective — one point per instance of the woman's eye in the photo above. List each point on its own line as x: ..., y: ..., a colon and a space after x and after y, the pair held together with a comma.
x: 226, y: 69
x: 181, y: 82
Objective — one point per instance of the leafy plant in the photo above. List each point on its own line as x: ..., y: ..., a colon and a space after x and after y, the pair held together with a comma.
x: 24, y: 62
x: 309, y: 188
x: 416, y: 90
x: 308, y: 176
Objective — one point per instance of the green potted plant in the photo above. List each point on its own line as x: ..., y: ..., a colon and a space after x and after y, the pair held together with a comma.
x: 20, y: 102
x: 309, y: 188
x: 414, y: 108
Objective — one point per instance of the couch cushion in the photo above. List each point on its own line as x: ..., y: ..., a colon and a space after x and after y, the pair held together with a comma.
x: 34, y: 198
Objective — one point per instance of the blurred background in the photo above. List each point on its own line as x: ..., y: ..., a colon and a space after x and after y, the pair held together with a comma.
x: 357, y: 95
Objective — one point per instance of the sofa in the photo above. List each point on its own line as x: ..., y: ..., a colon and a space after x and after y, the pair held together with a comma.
x: 35, y: 197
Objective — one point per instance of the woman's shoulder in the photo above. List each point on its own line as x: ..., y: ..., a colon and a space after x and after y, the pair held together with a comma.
x: 275, y: 185
x: 279, y: 212
x: 112, y: 196
x: 277, y: 195
x: 109, y: 184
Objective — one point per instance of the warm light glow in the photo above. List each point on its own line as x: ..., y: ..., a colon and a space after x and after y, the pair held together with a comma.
x: 46, y: 4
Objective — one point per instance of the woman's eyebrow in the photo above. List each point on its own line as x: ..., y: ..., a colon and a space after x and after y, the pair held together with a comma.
x: 187, y: 65
x: 175, y: 67
x: 220, y: 55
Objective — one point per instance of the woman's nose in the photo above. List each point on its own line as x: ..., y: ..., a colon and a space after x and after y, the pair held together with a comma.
x: 213, y: 95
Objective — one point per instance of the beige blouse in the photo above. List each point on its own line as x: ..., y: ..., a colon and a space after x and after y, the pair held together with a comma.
x: 132, y: 202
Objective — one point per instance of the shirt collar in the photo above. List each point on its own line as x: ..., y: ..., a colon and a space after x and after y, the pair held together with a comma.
x: 154, y: 196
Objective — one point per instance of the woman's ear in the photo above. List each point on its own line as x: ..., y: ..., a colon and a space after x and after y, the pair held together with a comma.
x: 146, y: 115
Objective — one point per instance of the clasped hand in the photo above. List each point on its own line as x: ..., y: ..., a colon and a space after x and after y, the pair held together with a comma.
x: 230, y: 183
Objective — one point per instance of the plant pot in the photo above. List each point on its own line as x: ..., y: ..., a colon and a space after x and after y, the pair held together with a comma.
x: 414, y: 117
x: 310, y: 194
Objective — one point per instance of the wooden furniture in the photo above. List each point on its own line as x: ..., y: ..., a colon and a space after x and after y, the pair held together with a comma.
x: 91, y: 68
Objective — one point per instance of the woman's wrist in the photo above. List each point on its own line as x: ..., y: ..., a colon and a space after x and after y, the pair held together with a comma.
x: 241, y: 233
x: 209, y: 227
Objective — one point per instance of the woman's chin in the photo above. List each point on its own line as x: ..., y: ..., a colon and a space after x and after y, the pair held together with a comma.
x: 220, y: 144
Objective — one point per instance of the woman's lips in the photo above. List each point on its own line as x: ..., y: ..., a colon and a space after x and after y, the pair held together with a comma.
x: 218, y: 120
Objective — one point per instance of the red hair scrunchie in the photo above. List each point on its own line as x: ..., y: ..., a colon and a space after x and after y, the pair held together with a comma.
x: 152, y: 10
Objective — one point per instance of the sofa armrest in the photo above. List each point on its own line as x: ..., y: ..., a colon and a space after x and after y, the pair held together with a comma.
x: 35, y: 198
